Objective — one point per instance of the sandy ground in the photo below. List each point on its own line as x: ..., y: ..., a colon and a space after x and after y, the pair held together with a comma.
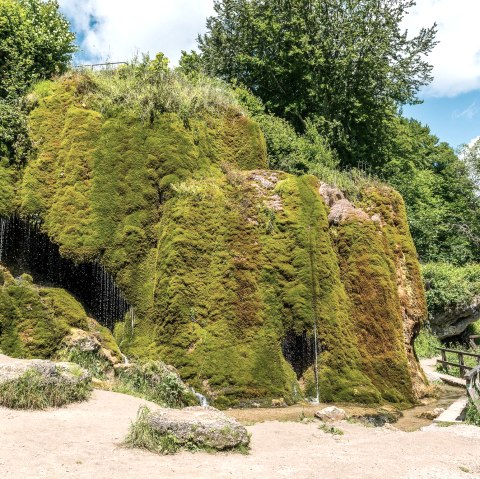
x: 82, y: 441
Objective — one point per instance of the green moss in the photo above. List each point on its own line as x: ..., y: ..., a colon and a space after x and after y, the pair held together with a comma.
x: 221, y: 260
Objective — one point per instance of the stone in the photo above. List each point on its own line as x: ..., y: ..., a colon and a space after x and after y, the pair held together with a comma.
x: 330, y: 414
x: 454, y: 321
x: 202, y: 426
x: 433, y: 414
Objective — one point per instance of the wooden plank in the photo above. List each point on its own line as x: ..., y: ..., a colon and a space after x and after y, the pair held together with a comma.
x: 455, y: 351
x: 456, y: 365
x: 461, y: 363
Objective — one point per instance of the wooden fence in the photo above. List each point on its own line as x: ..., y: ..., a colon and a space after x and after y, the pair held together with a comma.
x: 461, y: 355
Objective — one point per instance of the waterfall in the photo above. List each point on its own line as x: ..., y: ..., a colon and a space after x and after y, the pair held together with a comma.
x: 202, y: 400
x: 315, y: 339
x: 24, y: 248
x: 3, y: 233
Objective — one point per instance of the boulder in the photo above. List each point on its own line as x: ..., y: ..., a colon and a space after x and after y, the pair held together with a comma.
x: 201, y: 426
x: 454, y: 320
x: 433, y: 414
x: 330, y: 414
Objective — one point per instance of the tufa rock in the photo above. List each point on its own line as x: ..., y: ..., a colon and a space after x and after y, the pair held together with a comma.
x: 202, y: 426
x: 433, y: 414
x: 330, y: 414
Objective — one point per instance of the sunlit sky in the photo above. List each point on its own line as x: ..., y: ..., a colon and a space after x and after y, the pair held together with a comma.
x: 115, y: 30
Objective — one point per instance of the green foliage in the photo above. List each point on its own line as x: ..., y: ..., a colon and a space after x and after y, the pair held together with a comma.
x: 426, y: 344
x: 142, y: 435
x: 91, y: 361
x: 334, y: 431
x: 34, y: 390
x: 156, y: 382
x: 449, y: 286
x: 35, y: 43
x: 313, y: 60
x: 470, y: 155
x: 287, y: 150
x: 473, y: 414
x: 443, y: 209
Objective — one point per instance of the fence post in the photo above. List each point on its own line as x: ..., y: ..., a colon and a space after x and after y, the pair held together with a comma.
x: 461, y: 364
x: 444, y: 359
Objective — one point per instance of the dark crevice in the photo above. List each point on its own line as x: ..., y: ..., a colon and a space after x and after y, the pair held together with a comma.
x: 25, y: 249
x: 299, y: 351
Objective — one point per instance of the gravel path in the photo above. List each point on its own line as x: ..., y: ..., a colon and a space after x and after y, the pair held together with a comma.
x: 82, y: 441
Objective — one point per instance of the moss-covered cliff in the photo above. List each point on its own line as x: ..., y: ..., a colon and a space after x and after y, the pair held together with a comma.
x: 230, y: 267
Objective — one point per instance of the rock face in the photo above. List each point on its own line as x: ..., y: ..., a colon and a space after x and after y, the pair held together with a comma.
x: 232, y: 270
x: 331, y: 414
x: 454, y: 320
x: 203, y: 427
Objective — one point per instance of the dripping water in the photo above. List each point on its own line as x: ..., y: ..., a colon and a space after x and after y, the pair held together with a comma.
x: 24, y: 248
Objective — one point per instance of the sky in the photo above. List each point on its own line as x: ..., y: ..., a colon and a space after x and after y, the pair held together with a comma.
x: 115, y: 30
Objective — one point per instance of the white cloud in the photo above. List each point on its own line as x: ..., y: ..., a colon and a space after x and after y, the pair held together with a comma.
x: 456, y: 59
x: 129, y: 26
x: 125, y: 27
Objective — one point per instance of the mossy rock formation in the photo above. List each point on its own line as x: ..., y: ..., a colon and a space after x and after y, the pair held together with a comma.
x: 228, y: 265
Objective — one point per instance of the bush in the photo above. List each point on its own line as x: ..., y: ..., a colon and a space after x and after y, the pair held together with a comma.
x: 155, y: 382
x: 450, y: 286
x: 33, y: 390
x: 472, y: 415
x: 426, y: 344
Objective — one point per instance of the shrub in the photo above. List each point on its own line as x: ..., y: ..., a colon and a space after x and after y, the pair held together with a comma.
x: 156, y: 382
x: 426, y: 344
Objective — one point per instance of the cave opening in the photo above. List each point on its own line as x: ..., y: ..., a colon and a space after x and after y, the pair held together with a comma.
x: 24, y: 248
x: 299, y: 351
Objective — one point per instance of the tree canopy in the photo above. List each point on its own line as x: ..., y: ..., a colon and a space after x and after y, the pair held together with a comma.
x: 35, y: 43
x: 345, y: 65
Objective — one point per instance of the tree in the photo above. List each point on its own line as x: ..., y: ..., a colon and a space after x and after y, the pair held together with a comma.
x: 443, y: 208
x: 344, y: 64
x: 35, y: 43
x: 470, y: 154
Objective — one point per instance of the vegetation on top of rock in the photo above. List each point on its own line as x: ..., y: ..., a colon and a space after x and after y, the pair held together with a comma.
x: 41, y: 384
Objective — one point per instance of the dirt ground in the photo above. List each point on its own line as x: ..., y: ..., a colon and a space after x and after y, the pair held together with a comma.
x: 83, y: 441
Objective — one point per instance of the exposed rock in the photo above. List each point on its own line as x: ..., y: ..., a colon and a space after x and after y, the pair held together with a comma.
x: 11, y: 369
x: 382, y: 417
x: 204, y: 427
x: 331, y: 413
x: 341, y: 209
x: 433, y: 414
x: 453, y: 321
x: 83, y: 341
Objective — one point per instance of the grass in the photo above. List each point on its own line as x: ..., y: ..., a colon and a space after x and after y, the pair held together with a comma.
x: 33, y: 390
x: 334, y: 431
x: 89, y: 360
x: 141, y: 435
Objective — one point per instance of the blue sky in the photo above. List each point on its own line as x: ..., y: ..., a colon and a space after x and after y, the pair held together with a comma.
x: 115, y: 30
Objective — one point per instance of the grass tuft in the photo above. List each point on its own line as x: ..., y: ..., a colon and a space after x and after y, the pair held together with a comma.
x: 33, y: 390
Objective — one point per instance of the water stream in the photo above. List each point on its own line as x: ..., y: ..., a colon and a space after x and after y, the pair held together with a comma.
x: 24, y: 248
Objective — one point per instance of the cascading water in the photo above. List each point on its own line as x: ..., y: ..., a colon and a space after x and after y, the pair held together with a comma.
x: 3, y: 229
x: 24, y: 248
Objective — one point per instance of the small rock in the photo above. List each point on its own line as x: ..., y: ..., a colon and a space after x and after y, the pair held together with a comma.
x: 279, y: 403
x: 331, y: 413
x: 433, y: 414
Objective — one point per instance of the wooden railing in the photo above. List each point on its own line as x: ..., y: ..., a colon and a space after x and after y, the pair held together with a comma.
x: 461, y: 360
